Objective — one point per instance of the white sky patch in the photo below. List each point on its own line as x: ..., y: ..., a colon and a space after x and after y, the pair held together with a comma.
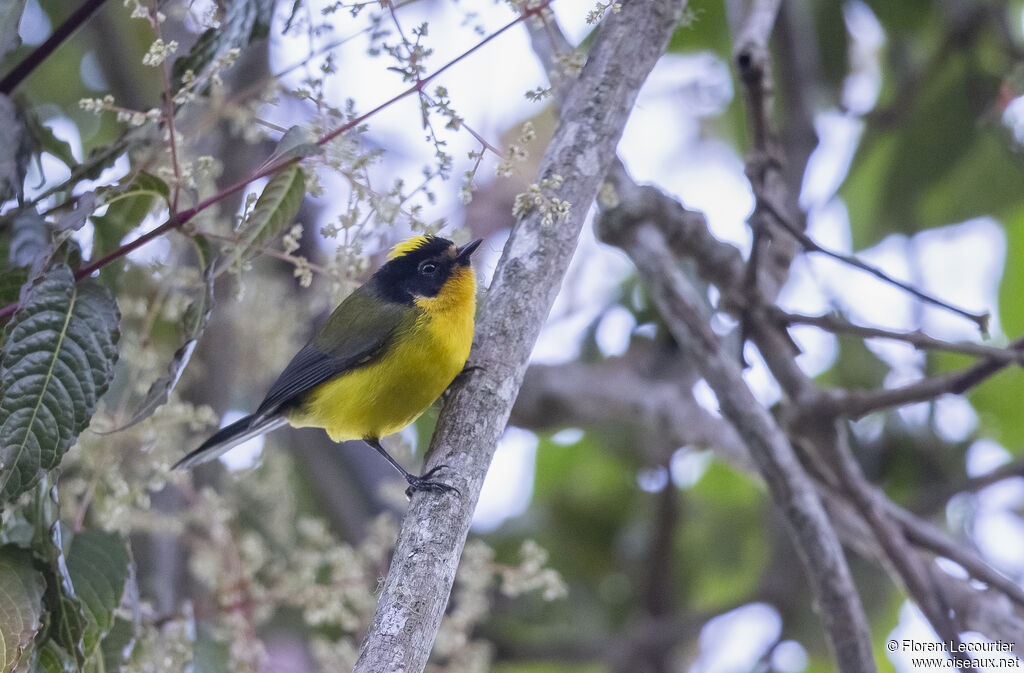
x: 34, y: 26
x: 592, y: 281
x: 749, y: 631
x: 789, y: 656
x: 246, y: 454
x: 508, y: 486
x: 828, y: 164
x: 867, y: 40
x: 912, y: 636
x: 91, y: 72
x: 567, y: 436
x: 687, y: 466
x: 996, y: 509
x: 706, y: 398
x: 614, y: 331
x: 653, y: 479
x: 984, y: 455
x: 955, y: 418
x: 758, y: 378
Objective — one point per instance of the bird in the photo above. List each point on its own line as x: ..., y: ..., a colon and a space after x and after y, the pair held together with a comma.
x: 382, y: 357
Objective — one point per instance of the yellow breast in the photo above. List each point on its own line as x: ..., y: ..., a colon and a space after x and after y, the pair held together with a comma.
x: 393, y: 391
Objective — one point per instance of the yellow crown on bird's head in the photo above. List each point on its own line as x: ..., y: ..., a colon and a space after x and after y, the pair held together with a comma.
x: 408, y: 245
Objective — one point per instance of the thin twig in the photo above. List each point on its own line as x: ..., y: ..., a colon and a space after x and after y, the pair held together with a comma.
x: 792, y: 490
x: 810, y: 245
x: 872, y: 507
x: 273, y: 252
x: 169, y: 117
x: 919, y: 340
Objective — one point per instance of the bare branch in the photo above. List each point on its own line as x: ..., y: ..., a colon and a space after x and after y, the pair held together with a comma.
x: 524, y: 286
x: 918, y: 339
x: 810, y: 245
x: 872, y: 505
x: 792, y: 490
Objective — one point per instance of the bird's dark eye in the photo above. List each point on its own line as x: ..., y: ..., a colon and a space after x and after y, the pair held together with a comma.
x: 428, y: 268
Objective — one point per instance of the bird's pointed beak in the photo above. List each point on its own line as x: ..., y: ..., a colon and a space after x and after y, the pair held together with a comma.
x: 463, y: 254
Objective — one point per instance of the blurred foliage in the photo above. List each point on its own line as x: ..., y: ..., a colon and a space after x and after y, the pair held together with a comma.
x: 111, y: 563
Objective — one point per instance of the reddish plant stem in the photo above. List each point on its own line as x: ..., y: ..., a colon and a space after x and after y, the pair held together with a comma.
x: 175, y: 221
x: 40, y: 53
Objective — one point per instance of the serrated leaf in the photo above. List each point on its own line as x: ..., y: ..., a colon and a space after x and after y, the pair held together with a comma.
x: 75, y: 218
x: 197, y: 315
x: 10, y: 17
x: 30, y: 238
x: 129, y: 205
x: 115, y: 649
x: 56, y: 363
x: 243, y: 22
x: 21, y: 605
x: 274, y: 210
x: 17, y: 149
x: 65, y: 621
x: 98, y: 563
x: 45, y: 140
x: 52, y: 658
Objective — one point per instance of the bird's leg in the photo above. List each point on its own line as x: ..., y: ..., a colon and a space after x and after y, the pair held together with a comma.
x: 459, y: 379
x: 424, y: 483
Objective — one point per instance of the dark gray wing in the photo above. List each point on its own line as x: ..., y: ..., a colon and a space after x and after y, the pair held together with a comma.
x: 355, y: 334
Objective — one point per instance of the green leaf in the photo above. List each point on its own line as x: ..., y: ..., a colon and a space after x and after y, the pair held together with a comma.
x: 99, y: 565
x: 11, y: 281
x: 1011, y: 289
x: 295, y: 144
x: 52, y: 658
x: 274, y: 210
x: 932, y: 169
x: 56, y: 363
x: 197, y: 315
x: 708, y: 30
x: 244, y: 21
x: 997, y: 403
x: 30, y: 238
x: 128, y: 206
x: 115, y: 648
x: 719, y: 570
x: 45, y: 140
x: 855, y: 367
x: 66, y: 615
x: 81, y: 209
x: 21, y: 604
x: 17, y: 149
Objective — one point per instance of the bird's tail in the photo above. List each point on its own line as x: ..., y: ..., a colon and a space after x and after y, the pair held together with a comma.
x: 228, y: 438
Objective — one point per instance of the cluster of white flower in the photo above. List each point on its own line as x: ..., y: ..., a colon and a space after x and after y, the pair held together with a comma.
x: 159, y: 51
x: 551, y: 208
x: 600, y: 8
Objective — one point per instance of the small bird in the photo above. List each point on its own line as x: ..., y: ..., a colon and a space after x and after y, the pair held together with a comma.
x: 385, y: 354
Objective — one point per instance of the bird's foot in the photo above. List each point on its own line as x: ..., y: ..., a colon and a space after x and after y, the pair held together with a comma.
x: 425, y: 483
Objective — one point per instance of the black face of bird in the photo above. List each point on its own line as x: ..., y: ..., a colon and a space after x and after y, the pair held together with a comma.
x: 422, y: 271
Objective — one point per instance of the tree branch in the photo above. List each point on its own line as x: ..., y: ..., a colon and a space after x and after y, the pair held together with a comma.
x: 792, y: 490
x: 919, y: 340
x: 17, y: 74
x: 524, y: 287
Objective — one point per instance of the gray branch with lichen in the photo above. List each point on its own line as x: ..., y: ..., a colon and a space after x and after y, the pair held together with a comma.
x: 525, y: 283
